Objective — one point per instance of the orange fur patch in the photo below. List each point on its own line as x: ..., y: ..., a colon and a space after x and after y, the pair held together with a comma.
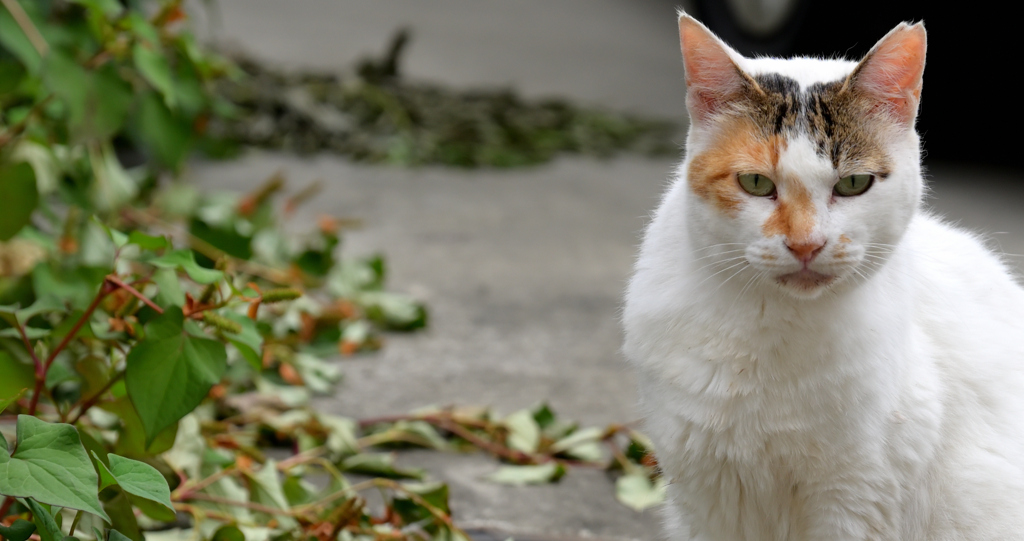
x: 844, y: 239
x: 739, y: 148
x: 794, y: 215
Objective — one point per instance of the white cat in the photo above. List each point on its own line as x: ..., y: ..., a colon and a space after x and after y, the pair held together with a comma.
x: 818, y: 358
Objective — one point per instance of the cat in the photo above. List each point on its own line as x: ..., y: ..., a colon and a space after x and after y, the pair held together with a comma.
x: 817, y: 356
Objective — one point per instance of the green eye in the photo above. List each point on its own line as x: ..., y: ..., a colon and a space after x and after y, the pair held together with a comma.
x: 756, y: 184
x: 854, y: 184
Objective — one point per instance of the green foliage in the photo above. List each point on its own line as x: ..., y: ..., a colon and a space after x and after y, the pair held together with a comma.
x: 20, y: 196
x: 378, y: 116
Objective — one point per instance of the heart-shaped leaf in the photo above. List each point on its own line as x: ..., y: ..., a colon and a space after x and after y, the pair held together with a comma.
x: 170, y: 372
x: 136, y: 478
x: 50, y: 466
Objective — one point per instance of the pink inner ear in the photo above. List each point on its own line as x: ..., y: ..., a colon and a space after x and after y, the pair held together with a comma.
x: 711, y: 75
x: 892, y: 72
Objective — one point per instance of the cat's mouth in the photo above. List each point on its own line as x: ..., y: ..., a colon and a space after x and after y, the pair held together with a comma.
x: 806, y: 279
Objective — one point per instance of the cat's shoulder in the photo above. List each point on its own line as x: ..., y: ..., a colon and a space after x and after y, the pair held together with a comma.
x: 947, y: 254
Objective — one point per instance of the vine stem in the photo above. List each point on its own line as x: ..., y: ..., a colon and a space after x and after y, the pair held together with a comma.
x: 92, y: 400
x: 44, y: 367
x: 135, y: 293
x: 27, y: 26
x: 453, y: 426
x: 248, y: 505
x: 6, y: 506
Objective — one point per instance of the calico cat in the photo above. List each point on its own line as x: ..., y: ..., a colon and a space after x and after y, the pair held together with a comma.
x: 818, y: 357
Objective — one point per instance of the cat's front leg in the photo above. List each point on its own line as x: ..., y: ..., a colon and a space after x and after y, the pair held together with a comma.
x: 859, y: 510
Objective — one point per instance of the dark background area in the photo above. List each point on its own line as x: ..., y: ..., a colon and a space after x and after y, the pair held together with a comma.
x: 970, y: 107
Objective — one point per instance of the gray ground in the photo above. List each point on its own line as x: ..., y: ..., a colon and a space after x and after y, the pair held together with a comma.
x: 523, y: 270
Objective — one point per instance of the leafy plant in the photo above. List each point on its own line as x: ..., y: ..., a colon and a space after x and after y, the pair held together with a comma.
x: 377, y: 115
x: 159, y: 346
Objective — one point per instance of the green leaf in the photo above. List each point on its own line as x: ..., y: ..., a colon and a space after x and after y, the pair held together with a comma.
x: 13, y: 38
x: 523, y: 431
x: 108, y: 100
x: 148, y: 242
x: 186, y: 261
x: 50, y: 466
x: 164, y: 134
x: 528, y: 475
x: 266, y: 489
x: 249, y: 342
x: 15, y: 377
x: 544, y: 416
x: 581, y: 444
x: 132, y: 440
x: 32, y: 333
x: 20, y: 196
x: 116, y: 536
x: 169, y: 292
x: 154, y: 68
x: 433, y: 494
x: 227, y: 533
x: 46, y: 304
x: 136, y: 478
x: 19, y: 531
x: 69, y: 81
x: 111, y: 187
x: 76, y: 286
x: 170, y: 372
x: 47, y: 527
x: 122, y: 516
x: 109, y: 9
x: 378, y: 464
x: 8, y: 401
x: 638, y: 492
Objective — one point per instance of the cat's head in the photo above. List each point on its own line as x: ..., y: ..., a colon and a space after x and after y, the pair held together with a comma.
x: 807, y: 170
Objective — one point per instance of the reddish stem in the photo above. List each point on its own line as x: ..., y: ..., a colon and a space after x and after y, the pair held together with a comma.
x: 6, y: 506
x: 117, y: 281
x: 84, y: 407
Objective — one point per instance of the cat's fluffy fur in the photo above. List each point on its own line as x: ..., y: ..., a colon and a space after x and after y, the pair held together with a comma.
x: 876, y: 392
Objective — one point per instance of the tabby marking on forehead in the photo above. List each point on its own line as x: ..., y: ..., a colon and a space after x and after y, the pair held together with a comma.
x: 773, y: 108
x: 833, y: 115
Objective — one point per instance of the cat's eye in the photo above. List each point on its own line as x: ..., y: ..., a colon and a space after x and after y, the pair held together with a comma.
x: 854, y: 184
x: 758, y: 185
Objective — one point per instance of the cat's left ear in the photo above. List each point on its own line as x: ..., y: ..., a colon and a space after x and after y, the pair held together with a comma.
x: 892, y: 70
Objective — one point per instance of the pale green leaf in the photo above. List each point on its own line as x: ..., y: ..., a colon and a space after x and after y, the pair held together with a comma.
x: 638, y: 492
x: 528, y: 475
x: 186, y: 261
x: 523, y: 431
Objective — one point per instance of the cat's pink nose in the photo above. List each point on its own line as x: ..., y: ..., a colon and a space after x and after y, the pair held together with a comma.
x: 805, y: 251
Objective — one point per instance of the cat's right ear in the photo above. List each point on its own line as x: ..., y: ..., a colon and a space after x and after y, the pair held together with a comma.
x: 712, y: 76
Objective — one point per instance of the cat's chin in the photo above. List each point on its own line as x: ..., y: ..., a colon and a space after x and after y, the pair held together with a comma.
x: 806, y: 282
